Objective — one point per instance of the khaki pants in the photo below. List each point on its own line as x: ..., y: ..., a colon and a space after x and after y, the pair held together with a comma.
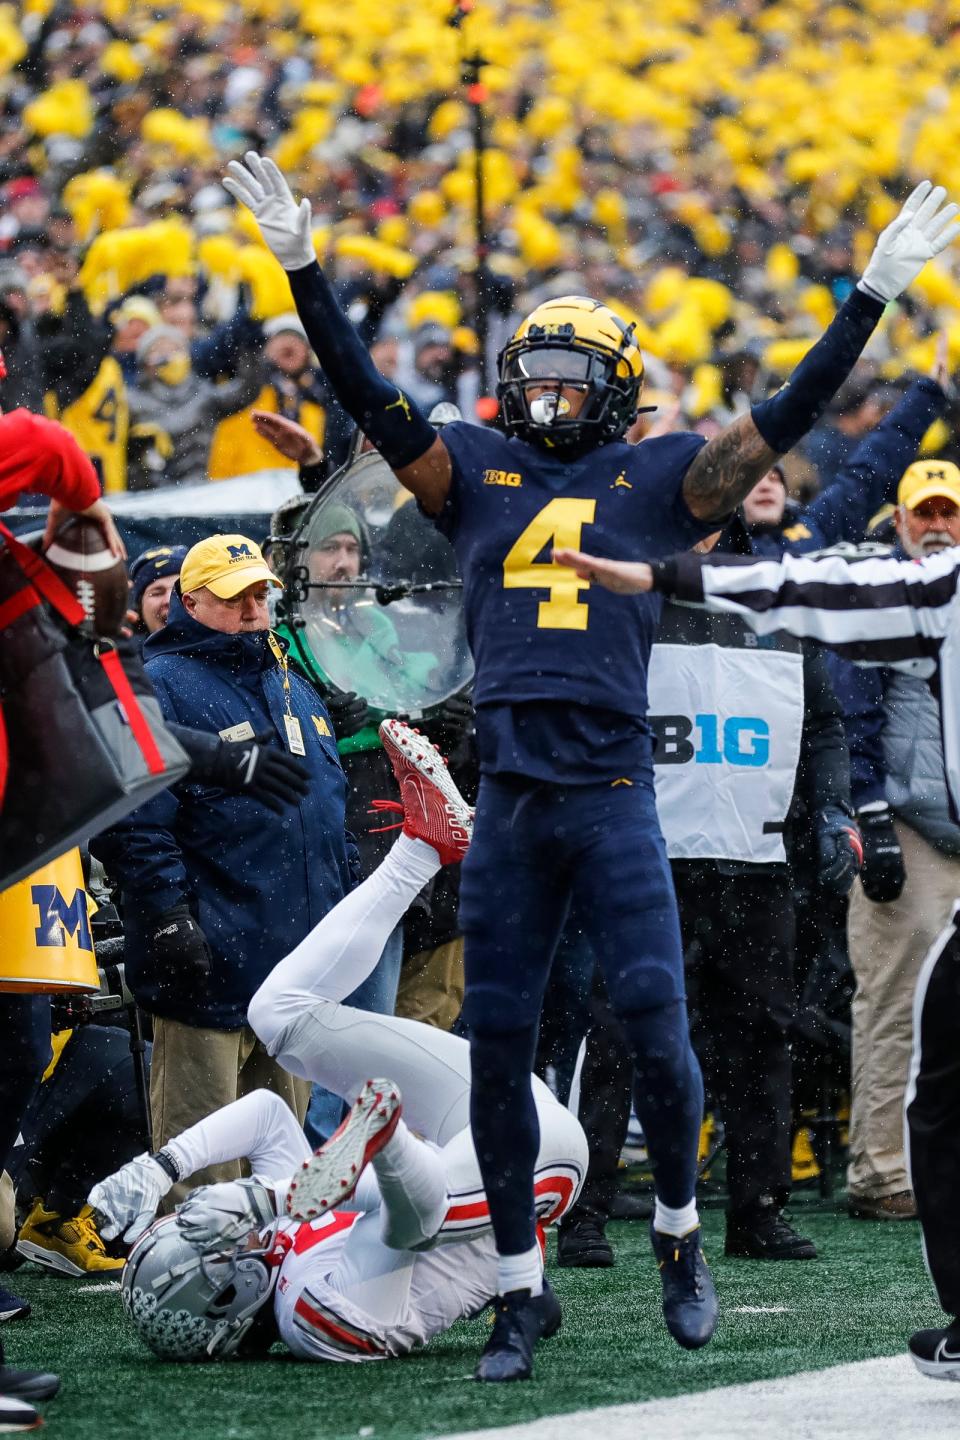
x: 887, y: 946
x: 195, y: 1071
x: 8, y: 1220
x: 431, y: 986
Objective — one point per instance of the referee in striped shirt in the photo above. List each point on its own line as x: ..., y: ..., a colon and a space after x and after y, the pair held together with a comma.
x: 877, y: 611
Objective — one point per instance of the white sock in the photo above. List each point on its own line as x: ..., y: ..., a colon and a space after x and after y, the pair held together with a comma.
x: 675, y: 1222
x: 413, y: 1190
x: 521, y: 1272
x: 414, y: 857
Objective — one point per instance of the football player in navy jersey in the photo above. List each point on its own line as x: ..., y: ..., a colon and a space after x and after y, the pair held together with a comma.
x: 566, y: 804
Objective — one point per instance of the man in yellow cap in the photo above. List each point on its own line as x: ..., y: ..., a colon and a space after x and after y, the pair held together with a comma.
x: 215, y: 887
x: 928, y: 508
x: 224, y: 584
x: 911, y: 871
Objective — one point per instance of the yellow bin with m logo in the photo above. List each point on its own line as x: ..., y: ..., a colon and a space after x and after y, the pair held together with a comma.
x: 45, y: 924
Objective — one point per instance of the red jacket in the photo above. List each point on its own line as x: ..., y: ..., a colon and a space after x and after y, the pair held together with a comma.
x: 39, y: 454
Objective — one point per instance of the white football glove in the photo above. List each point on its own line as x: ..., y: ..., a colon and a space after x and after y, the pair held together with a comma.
x: 284, y: 225
x: 220, y: 1217
x: 128, y: 1199
x: 920, y: 231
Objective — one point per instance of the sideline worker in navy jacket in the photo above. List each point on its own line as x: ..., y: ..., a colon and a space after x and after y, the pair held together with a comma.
x: 216, y: 887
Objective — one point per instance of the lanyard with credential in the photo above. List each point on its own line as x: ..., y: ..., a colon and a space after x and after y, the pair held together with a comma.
x: 290, y: 722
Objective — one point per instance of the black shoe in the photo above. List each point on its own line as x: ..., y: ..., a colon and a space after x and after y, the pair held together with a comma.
x: 761, y: 1233
x: 625, y: 1205
x: 12, y: 1307
x: 936, y: 1353
x: 689, y: 1297
x: 520, y: 1320
x: 581, y: 1242
x: 16, y: 1415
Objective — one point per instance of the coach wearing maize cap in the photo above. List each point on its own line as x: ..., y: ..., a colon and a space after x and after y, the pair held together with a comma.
x: 217, y: 888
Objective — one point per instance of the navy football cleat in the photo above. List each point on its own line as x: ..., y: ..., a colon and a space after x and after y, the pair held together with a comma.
x: 26, y: 1384
x: 936, y: 1353
x: 11, y: 1306
x: 689, y: 1298
x: 520, y: 1320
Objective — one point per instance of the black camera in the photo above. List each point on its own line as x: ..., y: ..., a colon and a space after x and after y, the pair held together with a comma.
x: 110, y: 1005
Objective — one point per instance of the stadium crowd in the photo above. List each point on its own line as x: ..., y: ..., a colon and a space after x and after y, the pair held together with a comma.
x: 724, y: 204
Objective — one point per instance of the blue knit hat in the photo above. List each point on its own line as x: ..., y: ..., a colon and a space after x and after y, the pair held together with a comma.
x: 153, y: 565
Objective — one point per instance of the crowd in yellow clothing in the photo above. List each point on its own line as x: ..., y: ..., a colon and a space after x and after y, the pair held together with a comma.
x: 717, y: 170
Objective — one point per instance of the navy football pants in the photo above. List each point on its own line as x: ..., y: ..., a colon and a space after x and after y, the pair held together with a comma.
x: 536, y: 847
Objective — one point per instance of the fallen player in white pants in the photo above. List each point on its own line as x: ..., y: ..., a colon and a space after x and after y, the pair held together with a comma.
x: 410, y: 1252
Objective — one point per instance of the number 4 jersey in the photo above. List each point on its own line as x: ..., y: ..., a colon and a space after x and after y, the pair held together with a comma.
x: 561, y: 665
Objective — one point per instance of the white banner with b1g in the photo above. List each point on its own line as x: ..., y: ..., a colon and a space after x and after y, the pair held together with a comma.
x: 726, y: 725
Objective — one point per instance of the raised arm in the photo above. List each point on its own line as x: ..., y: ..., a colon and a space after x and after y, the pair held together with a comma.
x: 726, y: 469
x: 869, y: 479
x: 394, y: 425
x: 880, y: 611
x: 259, y: 1128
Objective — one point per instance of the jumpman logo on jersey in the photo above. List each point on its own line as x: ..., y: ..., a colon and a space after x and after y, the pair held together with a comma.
x: 401, y: 403
x: 621, y: 482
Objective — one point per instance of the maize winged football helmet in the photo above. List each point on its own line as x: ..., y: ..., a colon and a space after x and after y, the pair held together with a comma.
x: 187, y: 1305
x: 570, y: 343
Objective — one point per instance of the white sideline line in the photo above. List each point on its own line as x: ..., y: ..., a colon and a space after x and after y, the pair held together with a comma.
x: 98, y: 1289
x: 760, y: 1310
x: 847, y: 1402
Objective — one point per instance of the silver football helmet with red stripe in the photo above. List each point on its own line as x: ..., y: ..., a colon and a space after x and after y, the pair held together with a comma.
x: 187, y: 1304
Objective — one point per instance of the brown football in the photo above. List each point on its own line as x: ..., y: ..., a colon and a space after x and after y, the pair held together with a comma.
x: 79, y: 555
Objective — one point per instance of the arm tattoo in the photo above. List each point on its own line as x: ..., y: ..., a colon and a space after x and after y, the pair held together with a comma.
x: 725, y: 471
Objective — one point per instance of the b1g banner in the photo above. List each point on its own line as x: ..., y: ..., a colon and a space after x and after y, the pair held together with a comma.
x: 726, y: 710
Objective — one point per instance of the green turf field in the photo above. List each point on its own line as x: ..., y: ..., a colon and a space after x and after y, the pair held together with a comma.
x: 862, y: 1298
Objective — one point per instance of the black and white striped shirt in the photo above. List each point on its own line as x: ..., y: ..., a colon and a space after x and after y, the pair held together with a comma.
x: 877, y: 610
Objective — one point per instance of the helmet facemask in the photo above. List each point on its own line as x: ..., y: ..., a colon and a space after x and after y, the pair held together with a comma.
x: 560, y: 361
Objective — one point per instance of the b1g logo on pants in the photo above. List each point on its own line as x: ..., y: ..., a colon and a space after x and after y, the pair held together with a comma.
x: 58, y: 918
x: 740, y: 740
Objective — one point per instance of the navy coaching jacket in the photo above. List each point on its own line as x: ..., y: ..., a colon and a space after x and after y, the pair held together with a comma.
x: 257, y: 882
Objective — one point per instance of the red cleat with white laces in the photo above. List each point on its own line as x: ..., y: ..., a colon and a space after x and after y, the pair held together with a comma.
x: 333, y: 1172
x: 433, y: 808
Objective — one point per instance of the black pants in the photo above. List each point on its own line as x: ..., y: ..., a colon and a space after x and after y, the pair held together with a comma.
x: 739, y: 937
x: 933, y: 1113
x: 24, y: 1055
x: 738, y: 933
x: 603, y: 1108
x: 84, y: 1122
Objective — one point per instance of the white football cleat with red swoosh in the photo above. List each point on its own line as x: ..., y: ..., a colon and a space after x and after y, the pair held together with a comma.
x: 332, y: 1173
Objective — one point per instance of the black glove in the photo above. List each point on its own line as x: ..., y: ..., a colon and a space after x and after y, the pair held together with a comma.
x: 260, y: 770
x: 179, y: 951
x: 883, y: 871
x: 348, y: 711
x: 839, y: 850
x: 451, y: 723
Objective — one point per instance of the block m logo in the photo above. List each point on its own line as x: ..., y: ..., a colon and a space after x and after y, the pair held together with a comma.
x: 240, y: 552
x: 58, y: 919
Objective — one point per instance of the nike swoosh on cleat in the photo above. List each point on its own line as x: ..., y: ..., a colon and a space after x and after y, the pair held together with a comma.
x: 416, y: 785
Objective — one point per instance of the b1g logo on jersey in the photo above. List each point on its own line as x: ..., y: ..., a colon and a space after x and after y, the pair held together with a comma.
x: 58, y: 919
x: 502, y: 477
x: 741, y: 740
